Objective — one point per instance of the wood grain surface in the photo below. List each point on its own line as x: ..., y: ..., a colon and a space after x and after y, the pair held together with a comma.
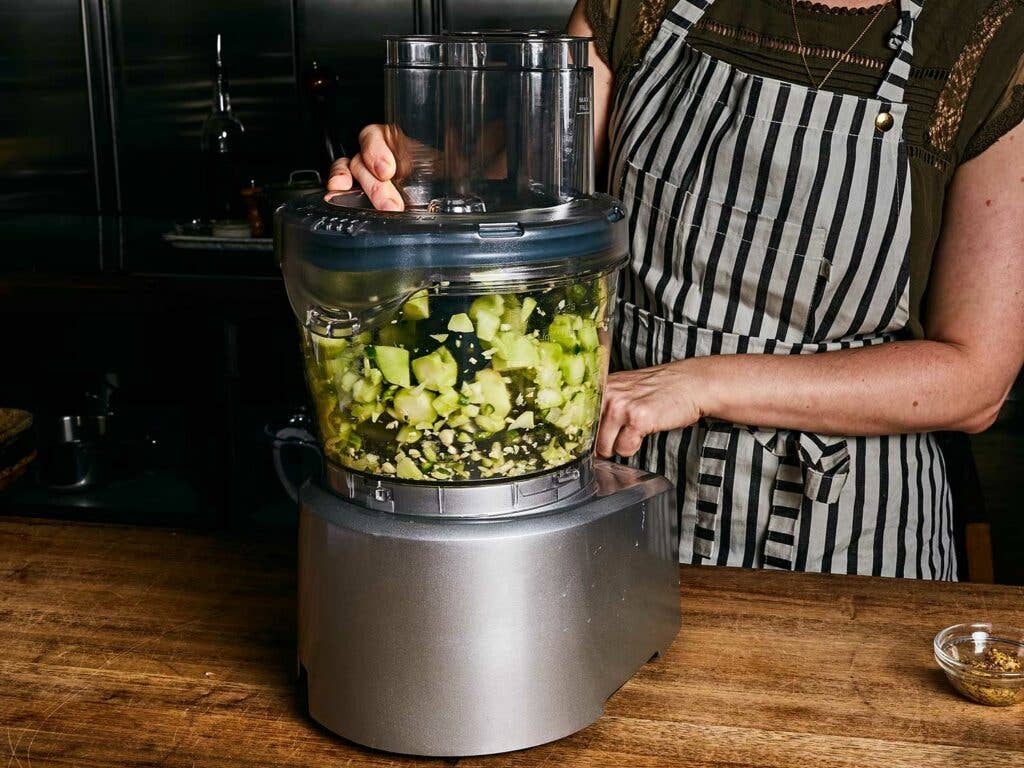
x: 136, y: 647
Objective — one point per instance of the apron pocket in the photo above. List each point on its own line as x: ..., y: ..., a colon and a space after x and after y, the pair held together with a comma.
x: 702, y: 262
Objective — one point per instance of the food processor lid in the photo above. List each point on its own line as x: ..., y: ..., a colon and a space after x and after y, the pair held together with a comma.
x: 344, y: 233
x: 492, y: 135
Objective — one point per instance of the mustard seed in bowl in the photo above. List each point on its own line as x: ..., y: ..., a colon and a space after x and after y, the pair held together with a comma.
x: 984, y: 662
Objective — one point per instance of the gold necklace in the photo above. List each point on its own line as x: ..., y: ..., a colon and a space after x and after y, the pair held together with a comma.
x: 843, y: 58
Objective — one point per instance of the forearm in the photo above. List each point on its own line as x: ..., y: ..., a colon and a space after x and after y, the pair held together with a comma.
x: 974, y: 318
x: 911, y: 386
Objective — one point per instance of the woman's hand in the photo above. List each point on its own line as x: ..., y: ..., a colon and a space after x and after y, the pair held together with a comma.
x: 642, y: 402
x: 373, y: 168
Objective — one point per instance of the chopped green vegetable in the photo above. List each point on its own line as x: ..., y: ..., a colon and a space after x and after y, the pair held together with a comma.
x: 446, y: 402
x: 460, y: 323
x: 576, y: 414
x: 429, y: 452
x: 486, y: 313
x: 408, y: 434
x: 486, y: 325
x: 522, y: 421
x: 365, y: 391
x: 529, y: 304
x: 338, y: 365
x: 414, y: 406
x: 549, y: 376
x: 515, y: 351
x: 588, y: 335
x: 490, y: 422
x: 329, y: 348
x: 347, y: 380
x: 394, y: 364
x: 550, y: 352
x: 493, y: 304
x: 574, y: 369
x: 367, y: 411
x: 401, y: 333
x: 406, y: 469
x: 555, y: 454
x: 459, y: 419
x: 549, y: 398
x: 512, y: 317
x: 563, y: 331
x: 418, y: 306
x: 436, y: 371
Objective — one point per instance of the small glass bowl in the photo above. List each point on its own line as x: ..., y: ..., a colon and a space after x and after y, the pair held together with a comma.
x: 961, y: 650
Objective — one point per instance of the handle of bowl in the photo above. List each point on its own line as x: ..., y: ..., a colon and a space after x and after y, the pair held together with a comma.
x: 293, y: 434
x: 309, y: 173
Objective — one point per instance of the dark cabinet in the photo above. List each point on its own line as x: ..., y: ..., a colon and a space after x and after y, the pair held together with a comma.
x: 46, y: 159
x: 48, y: 169
x: 162, y: 56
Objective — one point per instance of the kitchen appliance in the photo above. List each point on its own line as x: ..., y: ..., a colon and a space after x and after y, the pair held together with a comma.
x: 471, y: 579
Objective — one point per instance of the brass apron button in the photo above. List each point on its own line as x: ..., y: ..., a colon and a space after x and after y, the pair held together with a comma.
x: 884, y: 121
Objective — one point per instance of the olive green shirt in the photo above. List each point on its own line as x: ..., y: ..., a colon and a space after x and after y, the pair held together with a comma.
x: 965, y: 91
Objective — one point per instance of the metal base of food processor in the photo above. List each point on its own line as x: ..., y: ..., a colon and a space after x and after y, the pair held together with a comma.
x: 456, y: 636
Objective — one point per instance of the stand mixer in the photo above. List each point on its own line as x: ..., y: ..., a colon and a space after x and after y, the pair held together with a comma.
x: 471, y: 579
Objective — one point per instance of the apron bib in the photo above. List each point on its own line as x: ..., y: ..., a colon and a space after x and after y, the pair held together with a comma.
x: 767, y: 217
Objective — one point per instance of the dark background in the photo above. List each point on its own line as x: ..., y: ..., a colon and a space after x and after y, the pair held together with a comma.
x: 100, y: 117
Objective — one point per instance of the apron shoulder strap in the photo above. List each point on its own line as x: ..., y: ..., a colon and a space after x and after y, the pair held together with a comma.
x: 900, y: 40
x: 685, y: 14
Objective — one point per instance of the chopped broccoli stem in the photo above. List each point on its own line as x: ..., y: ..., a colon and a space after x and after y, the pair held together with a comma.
x: 418, y: 306
x: 520, y: 394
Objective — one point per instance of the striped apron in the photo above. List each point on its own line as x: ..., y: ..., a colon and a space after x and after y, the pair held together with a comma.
x: 767, y: 217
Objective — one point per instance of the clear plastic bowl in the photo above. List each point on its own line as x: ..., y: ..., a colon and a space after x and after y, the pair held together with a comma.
x: 455, y: 386
x: 965, y: 652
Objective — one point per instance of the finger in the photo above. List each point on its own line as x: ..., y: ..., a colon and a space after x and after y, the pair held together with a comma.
x: 612, y: 392
x: 628, y: 441
x: 607, y: 391
x: 608, y: 428
x: 376, y: 154
x: 382, y: 194
x: 340, y: 179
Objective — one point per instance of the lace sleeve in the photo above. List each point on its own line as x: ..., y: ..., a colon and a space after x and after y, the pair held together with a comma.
x: 1008, y: 113
x: 601, y: 15
x: 624, y: 28
x: 983, y: 96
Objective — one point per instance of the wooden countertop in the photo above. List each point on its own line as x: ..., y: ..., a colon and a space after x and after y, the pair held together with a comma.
x: 128, y: 647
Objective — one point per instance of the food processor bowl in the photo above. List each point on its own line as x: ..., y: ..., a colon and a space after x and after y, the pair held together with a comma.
x: 465, y: 338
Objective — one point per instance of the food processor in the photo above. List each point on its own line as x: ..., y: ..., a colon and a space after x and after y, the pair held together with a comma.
x: 471, y: 579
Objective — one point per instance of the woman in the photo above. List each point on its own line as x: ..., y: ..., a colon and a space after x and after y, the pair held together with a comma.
x: 827, y: 218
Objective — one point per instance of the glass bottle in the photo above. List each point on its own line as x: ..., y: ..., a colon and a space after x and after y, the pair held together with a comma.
x: 221, y: 145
